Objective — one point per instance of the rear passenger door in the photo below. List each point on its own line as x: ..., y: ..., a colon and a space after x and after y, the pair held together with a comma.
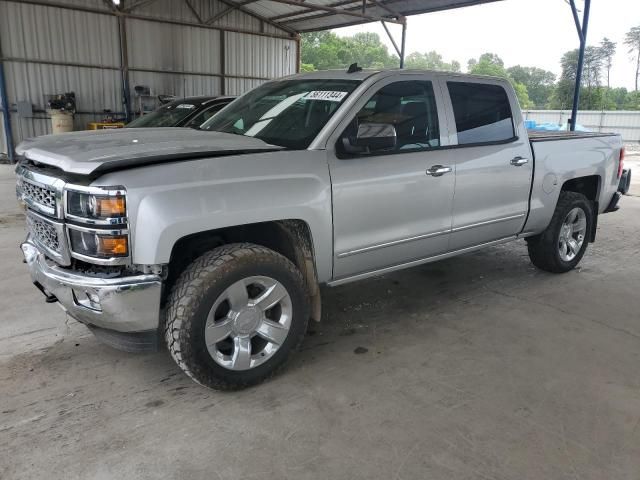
x: 493, y: 162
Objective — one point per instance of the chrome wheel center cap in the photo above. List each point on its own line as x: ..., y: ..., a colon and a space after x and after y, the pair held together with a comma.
x: 247, y: 321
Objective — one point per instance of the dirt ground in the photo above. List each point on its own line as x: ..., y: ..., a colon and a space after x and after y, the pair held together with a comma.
x: 478, y: 367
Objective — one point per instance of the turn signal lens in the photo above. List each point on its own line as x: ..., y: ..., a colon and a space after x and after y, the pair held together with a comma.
x: 112, y: 246
x: 110, y: 207
x: 93, y: 206
x: 98, y: 245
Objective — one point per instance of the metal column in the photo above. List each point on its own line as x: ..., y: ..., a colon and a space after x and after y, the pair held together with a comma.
x: 582, y: 34
x: 404, y: 40
x: 124, y: 66
x: 6, y: 114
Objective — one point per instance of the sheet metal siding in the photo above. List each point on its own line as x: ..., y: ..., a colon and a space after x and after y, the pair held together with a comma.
x: 161, y: 46
x: 259, y: 57
x: 3, y: 143
x: 57, y: 35
x: 626, y: 123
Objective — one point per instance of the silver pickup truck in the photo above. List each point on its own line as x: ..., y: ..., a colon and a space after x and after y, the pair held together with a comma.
x: 217, y: 240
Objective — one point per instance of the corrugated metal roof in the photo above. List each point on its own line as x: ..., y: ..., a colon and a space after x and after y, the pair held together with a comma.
x: 304, y: 16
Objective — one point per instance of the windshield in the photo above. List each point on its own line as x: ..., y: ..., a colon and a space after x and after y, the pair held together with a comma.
x: 166, y: 116
x: 287, y: 113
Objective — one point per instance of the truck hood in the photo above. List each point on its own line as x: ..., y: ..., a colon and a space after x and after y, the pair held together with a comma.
x: 97, y: 152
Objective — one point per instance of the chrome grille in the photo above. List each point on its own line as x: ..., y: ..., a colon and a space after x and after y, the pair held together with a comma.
x: 40, y: 195
x: 44, y: 233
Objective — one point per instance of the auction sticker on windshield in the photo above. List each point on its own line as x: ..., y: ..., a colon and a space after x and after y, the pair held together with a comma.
x: 327, y: 95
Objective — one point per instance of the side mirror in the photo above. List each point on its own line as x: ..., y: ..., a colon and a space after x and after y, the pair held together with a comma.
x: 371, y: 137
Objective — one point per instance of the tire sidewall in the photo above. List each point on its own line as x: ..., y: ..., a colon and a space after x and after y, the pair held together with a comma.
x: 195, y: 353
x: 562, y: 213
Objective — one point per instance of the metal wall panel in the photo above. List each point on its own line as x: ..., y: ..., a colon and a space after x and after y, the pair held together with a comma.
x: 626, y: 123
x: 161, y: 46
x: 3, y: 143
x: 259, y: 57
x: 175, y: 84
x: 55, y: 50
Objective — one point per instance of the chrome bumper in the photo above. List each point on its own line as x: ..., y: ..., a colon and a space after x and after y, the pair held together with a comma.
x: 125, y: 304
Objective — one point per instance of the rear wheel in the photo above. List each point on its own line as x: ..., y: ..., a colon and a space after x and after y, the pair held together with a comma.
x: 235, y: 316
x: 562, y: 245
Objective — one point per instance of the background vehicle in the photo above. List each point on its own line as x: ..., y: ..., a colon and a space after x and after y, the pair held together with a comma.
x: 218, y: 239
x: 185, y: 112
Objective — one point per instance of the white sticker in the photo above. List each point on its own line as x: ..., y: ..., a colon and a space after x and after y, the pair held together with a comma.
x: 326, y: 95
x: 186, y: 105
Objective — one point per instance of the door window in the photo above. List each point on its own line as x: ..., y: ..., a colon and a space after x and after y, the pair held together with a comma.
x: 409, y: 106
x: 205, y: 115
x: 482, y: 113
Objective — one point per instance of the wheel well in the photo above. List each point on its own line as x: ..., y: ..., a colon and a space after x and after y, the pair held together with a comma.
x: 290, y: 238
x: 588, y: 186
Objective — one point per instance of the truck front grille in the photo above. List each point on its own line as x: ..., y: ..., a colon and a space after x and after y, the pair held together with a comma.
x: 42, y: 196
x: 44, y: 233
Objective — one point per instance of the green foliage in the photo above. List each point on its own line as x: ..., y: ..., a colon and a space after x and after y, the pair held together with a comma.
x: 326, y: 50
x: 632, y: 40
x: 535, y: 87
x: 491, y: 64
x: 607, y: 50
x: 540, y: 83
x: 430, y: 61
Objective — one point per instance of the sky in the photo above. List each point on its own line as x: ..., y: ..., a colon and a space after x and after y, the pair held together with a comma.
x: 522, y: 32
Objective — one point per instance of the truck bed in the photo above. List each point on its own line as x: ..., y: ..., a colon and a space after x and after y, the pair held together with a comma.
x: 548, y: 136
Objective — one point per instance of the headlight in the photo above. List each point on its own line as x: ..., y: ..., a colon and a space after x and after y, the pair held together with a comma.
x: 110, y: 206
x: 96, y: 244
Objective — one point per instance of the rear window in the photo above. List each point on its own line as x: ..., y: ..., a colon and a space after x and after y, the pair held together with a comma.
x: 482, y: 113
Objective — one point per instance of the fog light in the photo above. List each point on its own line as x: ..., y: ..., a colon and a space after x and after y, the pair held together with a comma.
x: 87, y: 299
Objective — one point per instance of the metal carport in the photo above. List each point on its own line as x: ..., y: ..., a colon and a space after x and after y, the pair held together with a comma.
x: 267, y: 19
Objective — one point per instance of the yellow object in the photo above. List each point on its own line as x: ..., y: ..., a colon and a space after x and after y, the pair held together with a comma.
x: 112, y: 245
x: 108, y: 207
x: 104, y: 125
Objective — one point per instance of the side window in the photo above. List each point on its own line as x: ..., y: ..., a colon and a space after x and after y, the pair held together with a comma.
x: 203, y: 116
x: 410, y: 107
x: 482, y: 112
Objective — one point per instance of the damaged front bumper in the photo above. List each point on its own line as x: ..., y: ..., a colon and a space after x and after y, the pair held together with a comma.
x: 119, y: 304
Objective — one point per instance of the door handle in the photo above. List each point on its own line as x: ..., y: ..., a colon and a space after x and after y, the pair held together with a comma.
x: 438, y: 170
x: 519, y: 161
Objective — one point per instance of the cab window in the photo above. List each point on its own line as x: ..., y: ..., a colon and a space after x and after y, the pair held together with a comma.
x: 482, y: 113
x: 409, y: 106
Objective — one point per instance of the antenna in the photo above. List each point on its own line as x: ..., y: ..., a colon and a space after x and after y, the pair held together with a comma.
x: 353, y: 68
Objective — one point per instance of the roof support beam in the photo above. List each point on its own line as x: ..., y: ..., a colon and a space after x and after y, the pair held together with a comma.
x: 193, y: 11
x: 336, y: 11
x: 582, y: 35
x: 226, y: 11
x: 237, y: 6
x: 308, y: 10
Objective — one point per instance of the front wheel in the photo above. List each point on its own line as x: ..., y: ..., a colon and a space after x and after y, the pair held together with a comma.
x: 235, y: 316
x: 562, y: 245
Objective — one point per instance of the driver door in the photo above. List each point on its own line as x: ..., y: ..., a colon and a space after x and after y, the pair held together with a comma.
x: 388, y: 209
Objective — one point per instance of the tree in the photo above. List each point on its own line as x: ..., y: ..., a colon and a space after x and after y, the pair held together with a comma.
x: 632, y: 40
x: 592, y: 96
x: 491, y: 64
x: 607, y: 50
x: 326, y: 50
x: 430, y: 61
x: 539, y: 83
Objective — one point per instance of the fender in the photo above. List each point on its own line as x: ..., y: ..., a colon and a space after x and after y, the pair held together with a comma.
x: 172, y: 200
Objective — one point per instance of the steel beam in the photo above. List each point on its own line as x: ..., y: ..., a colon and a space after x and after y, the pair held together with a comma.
x: 404, y: 42
x: 582, y: 34
x: 333, y: 11
x: 6, y: 115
